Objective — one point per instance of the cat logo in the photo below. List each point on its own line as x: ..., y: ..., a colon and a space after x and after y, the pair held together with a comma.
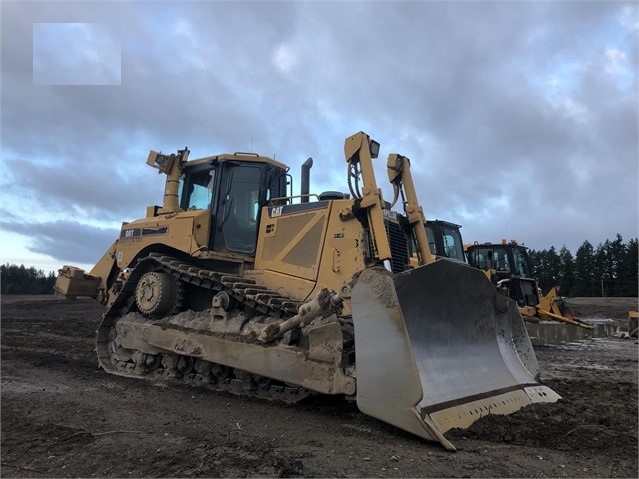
x: 276, y: 211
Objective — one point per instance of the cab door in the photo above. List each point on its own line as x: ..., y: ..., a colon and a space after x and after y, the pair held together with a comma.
x: 238, y: 208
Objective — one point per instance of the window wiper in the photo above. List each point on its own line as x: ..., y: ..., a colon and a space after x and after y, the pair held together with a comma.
x: 230, y: 165
x: 226, y: 216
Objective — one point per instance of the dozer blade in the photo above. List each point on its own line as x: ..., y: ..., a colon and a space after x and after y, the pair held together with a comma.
x: 438, y: 347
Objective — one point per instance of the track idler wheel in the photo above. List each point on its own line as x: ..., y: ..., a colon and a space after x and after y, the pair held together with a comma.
x: 156, y: 293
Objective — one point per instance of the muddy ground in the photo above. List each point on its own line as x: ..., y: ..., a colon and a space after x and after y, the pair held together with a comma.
x: 61, y: 416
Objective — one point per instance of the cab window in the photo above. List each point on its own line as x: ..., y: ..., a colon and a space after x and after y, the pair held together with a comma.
x: 453, y: 247
x: 501, y: 260
x: 431, y: 240
x: 482, y: 258
x: 521, y: 263
x: 196, y: 191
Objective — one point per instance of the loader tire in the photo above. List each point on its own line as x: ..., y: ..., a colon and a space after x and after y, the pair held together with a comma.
x: 156, y: 293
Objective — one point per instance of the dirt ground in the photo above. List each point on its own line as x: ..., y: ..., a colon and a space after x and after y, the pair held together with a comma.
x: 61, y: 416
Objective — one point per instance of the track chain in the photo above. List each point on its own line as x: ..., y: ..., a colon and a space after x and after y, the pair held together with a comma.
x: 244, y: 290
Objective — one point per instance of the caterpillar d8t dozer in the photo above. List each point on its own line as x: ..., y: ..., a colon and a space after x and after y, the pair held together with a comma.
x: 237, y: 285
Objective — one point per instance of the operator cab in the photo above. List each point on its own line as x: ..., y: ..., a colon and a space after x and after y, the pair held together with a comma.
x: 511, y: 267
x: 506, y: 260
x: 445, y: 239
x: 234, y: 188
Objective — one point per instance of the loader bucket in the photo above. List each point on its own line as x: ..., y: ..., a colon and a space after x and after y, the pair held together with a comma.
x: 438, y: 347
x: 554, y: 308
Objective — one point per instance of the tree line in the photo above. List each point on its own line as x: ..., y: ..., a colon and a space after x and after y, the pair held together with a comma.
x: 16, y: 279
x: 610, y: 269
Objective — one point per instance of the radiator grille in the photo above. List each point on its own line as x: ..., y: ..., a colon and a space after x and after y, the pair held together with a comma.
x: 398, y: 244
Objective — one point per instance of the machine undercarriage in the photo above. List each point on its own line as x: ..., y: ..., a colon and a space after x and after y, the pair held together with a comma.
x: 179, y: 346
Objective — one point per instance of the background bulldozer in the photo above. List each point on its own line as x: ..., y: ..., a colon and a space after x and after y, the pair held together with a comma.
x: 508, y: 266
x: 444, y: 239
x: 237, y: 285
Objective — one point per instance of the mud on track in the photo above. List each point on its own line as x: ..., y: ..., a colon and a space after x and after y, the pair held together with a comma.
x: 61, y: 416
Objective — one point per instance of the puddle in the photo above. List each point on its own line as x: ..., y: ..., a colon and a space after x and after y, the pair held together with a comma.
x: 558, y: 333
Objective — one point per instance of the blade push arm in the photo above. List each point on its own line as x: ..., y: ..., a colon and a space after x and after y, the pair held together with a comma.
x: 398, y: 168
x: 360, y: 150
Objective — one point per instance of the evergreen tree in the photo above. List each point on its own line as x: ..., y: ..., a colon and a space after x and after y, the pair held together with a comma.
x: 566, y: 281
x: 600, y: 273
x: 547, y: 269
x: 584, y: 268
x: 16, y: 279
x: 629, y: 270
x: 535, y: 260
x: 615, y: 255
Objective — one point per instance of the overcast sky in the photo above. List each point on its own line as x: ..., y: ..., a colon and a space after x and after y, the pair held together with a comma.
x: 520, y: 118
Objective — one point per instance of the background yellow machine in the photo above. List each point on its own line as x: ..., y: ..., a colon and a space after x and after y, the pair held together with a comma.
x: 236, y: 285
x: 508, y: 266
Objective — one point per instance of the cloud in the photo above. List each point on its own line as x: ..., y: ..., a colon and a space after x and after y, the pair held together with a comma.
x: 68, y: 241
x: 76, y: 54
x: 520, y: 118
x: 284, y: 58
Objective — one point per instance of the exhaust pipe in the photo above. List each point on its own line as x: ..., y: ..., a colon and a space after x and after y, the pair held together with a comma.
x: 306, y: 179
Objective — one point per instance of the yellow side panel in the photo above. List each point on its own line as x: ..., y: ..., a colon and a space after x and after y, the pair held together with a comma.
x: 187, y: 231
x: 291, y: 237
x: 286, y: 229
x: 303, y: 248
x: 344, y: 250
x: 298, y: 255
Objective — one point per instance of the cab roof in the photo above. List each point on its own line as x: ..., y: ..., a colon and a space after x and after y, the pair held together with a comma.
x: 238, y: 156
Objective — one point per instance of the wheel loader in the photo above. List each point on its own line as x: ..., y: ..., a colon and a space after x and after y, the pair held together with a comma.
x: 235, y: 284
x: 508, y: 266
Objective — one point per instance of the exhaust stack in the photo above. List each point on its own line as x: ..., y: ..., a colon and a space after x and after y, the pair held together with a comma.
x: 306, y: 179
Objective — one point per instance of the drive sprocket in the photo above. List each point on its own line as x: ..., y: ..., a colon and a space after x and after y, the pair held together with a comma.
x: 156, y: 293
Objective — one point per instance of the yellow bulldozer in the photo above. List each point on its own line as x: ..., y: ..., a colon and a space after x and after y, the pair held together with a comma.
x: 236, y: 284
x: 507, y: 264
